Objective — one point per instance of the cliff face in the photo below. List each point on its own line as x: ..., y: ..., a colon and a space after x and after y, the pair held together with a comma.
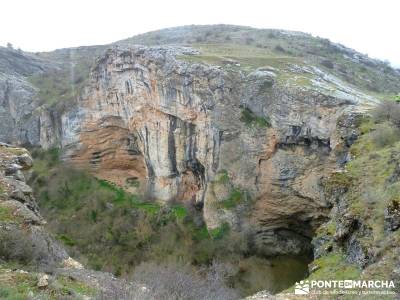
x: 21, y: 226
x: 248, y: 148
x: 24, y: 119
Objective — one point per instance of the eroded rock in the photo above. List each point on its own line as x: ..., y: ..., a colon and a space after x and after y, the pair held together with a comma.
x: 173, y: 125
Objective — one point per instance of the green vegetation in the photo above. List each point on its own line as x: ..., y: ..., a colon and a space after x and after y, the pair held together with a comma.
x: 21, y: 286
x: 338, y: 181
x: 219, y: 232
x: 253, y: 48
x: 12, y: 150
x: 333, y: 266
x: 59, y: 88
x: 369, y: 186
x: 121, y: 229
x: 385, y: 135
x: 387, y: 111
x: 67, y: 240
x: 222, y: 177
x: 7, y: 215
x: 108, y: 229
x: 243, y: 57
x: 377, y: 154
x: 371, y: 183
x: 70, y: 286
x: 251, y: 119
x: 371, y: 170
x: 328, y: 228
x: 180, y: 212
x: 235, y: 197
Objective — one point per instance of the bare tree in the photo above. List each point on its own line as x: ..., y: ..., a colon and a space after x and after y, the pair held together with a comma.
x: 387, y: 111
x: 173, y: 281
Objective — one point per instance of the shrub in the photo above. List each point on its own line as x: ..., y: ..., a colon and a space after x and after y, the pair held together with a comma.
x: 120, y: 229
x: 6, y: 214
x: 279, y: 48
x: 66, y: 240
x: 387, y: 111
x: 327, y: 63
x: 5, y: 292
x: 222, y: 177
x: 385, y: 135
x: 235, y: 197
x: 16, y: 246
x: 337, y: 180
x: 249, y: 40
x: 220, y: 232
x: 173, y: 281
x: 251, y: 119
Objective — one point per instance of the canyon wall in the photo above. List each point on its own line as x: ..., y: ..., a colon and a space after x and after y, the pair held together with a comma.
x: 245, y: 147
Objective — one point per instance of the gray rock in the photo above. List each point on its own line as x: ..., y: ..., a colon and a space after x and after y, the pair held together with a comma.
x: 20, y: 210
x: 25, y: 160
x: 392, y: 216
x: 23, y: 237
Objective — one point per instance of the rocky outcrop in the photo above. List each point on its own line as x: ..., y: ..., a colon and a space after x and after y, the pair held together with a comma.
x: 24, y: 119
x: 16, y: 106
x: 22, y: 233
x: 25, y: 242
x: 173, y: 127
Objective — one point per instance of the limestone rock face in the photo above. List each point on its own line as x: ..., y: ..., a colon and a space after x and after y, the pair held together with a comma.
x: 172, y: 126
x: 22, y: 232
x: 159, y: 129
x: 23, y: 119
x: 17, y: 102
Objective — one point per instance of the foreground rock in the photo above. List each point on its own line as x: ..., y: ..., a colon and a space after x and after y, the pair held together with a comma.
x: 21, y: 229
x: 25, y: 243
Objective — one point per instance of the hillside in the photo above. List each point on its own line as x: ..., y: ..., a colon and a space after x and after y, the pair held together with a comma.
x: 259, y: 47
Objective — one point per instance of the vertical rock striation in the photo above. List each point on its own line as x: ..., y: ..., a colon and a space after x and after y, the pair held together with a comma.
x: 173, y: 127
x: 23, y: 118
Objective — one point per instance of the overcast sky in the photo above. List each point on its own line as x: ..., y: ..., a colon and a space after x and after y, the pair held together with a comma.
x: 368, y: 26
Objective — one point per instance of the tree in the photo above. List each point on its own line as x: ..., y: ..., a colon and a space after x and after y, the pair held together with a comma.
x: 387, y: 111
x: 9, y: 46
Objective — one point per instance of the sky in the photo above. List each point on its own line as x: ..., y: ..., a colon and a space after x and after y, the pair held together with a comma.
x: 369, y: 26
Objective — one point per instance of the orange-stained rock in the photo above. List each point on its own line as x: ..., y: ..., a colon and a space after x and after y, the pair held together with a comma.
x: 166, y: 128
